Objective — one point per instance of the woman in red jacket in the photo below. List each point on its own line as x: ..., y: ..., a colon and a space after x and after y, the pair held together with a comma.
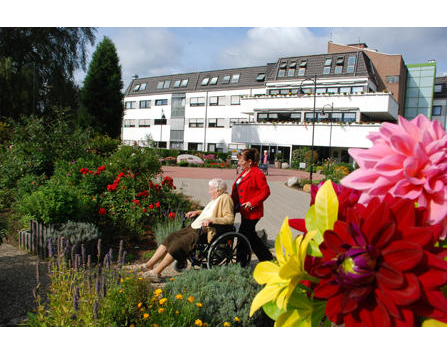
x: 249, y: 192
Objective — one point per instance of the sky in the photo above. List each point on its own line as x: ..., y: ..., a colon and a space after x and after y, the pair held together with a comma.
x: 154, y: 51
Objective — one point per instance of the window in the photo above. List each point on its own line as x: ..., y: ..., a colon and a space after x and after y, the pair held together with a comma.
x: 351, y: 65
x: 129, y: 123
x: 283, y: 65
x: 144, y: 123
x: 301, y: 71
x: 338, y: 69
x: 235, y: 100
x: 196, y: 123
x: 177, y: 83
x: 161, y: 144
x: 274, y: 92
x: 328, y: 62
x: 438, y: 88
x: 197, y: 101
x: 321, y: 90
x: 291, y: 72
x: 332, y: 90
x: 307, y: 90
x: 226, y: 79
x: 163, y: 84
x: 163, y: 102
x: 195, y: 146
x: 284, y: 92
x: 326, y: 70
x: 235, y: 78
x: 349, y: 117
x: 392, y: 79
x: 143, y: 86
x: 217, y: 101
x: 260, y: 77
x: 308, y: 117
x: 237, y: 120
x: 130, y: 104
x: 436, y: 111
x: 357, y: 89
x: 161, y: 121
x: 177, y: 135
x: 292, y: 64
x: 340, y: 60
x: 282, y: 72
x: 303, y: 63
x: 345, y: 90
x: 214, y: 80
x: 216, y: 123
x: 211, y: 147
x: 205, y: 81
x: 184, y: 83
x: 137, y: 87
x: 295, y: 115
x: 145, y: 104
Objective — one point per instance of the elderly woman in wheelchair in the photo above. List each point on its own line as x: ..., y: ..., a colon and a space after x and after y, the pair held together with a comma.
x: 209, y: 240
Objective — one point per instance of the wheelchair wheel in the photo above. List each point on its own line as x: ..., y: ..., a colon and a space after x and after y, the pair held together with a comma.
x: 229, y: 248
x: 180, y: 266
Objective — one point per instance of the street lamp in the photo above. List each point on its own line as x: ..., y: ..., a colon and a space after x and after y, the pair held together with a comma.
x: 330, y: 121
x: 300, y: 90
x: 163, y: 117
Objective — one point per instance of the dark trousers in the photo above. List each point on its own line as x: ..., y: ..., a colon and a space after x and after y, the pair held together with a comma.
x: 247, y: 229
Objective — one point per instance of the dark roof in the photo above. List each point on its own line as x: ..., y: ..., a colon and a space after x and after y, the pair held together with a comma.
x: 314, y: 66
x: 247, y: 78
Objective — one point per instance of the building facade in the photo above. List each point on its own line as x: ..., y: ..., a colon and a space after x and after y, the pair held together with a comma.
x: 332, y: 100
x: 439, y: 110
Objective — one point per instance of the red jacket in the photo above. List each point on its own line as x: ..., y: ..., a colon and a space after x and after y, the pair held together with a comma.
x: 254, y: 189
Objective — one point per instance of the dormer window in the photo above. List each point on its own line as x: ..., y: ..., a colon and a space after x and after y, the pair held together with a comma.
x: 340, y: 60
x: 301, y: 71
x: 137, y: 87
x: 283, y: 65
x: 282, y: 72
x: 226, y: 79
x: 328, y: 62
x: 143, y: 86
x: 292, y: 64
x: 214, y: 80
x: 184, y: 83
x: 303, y: 63
x: 177, y: 83
x: 205, y: 81
x: 235, y: 78
x: 260, y: 77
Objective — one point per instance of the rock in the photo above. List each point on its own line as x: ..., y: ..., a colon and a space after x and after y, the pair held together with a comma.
x: 306, y: 188
x: 284, y: 165
x: 189, y: 158
x: 293, y: 181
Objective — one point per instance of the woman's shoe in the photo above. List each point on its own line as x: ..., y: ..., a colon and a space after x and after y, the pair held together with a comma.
x: 153, y: 277
x: 136, y: 267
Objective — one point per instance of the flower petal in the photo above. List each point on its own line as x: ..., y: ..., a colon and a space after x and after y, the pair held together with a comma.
x: 269, y: 293
x: 265, y: 272
x: 402, y: 255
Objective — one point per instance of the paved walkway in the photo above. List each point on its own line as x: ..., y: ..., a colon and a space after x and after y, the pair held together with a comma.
x: 283, y: 201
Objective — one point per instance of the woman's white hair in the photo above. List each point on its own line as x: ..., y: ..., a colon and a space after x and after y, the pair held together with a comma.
x: 219, y: 184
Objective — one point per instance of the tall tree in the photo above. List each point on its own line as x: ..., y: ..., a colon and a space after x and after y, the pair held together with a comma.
x: 37, y: 67
x: 101, y: 96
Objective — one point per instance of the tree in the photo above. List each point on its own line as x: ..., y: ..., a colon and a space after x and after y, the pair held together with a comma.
x: 37, y: 67
x: 101, y: 96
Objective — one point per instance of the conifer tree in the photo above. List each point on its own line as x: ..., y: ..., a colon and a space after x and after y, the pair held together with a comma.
x: 101, y: 96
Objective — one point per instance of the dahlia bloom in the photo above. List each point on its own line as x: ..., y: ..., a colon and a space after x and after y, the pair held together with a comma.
x: 407, y: 160
x: 380, y: 266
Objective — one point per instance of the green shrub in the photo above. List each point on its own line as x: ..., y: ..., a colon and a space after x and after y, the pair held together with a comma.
x: 298, y: 155
x: 182, y: 163
x: 226, y: 293
x: 76, y: 232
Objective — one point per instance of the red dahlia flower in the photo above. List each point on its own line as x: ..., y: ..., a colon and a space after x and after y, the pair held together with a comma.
x: 380, y: 266
x: 171, y: 215
x: 102, y: 211
x: 157, y: 204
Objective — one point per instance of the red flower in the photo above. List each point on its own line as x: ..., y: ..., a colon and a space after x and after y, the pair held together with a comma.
x: 380, y: 266
x: 151, y: 206
x: 136, y: 201
x: 102, y: 211
x: 157, y: 205
x: 171, y: 215
x: 144, y: 210
x: 120, y: 175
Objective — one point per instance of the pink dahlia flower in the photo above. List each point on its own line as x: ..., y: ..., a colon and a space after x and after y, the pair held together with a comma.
x: 407, y: 160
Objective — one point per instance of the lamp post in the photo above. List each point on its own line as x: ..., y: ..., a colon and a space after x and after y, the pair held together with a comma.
x: 330, y: 129
x: 300, y: 90
x: 163, y: 117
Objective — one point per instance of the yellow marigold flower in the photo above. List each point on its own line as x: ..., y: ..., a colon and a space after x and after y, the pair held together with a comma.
x: 140, y: 278
x: 127, y: 278
x: 161, y: 310
x: 198, y: 323
x: 140, y: 304
x: 237, y: 319
x: 120, y: 291
x: 191, y: 299
x: 155, y: 325
x: 150, y: 306
x: 132, y: 325
x: 171, y: 279
x: 121, y: 280
x: 198, y: 304
x: 179, y: 296
x: 205, y: 324
x: 142, y: 309
x: 153, y: 299
x: 158, y: 292
x: 146, y: 315
x: 226, y: 324
x: 162, y: 301
x: 177, y: 312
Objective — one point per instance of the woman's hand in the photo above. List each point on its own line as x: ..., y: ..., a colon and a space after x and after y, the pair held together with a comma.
x: 206, y: 223
x: 191, y: 214
x: 247, y: 205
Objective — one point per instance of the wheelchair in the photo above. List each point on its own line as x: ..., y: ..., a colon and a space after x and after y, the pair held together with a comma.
x: 226, y: 247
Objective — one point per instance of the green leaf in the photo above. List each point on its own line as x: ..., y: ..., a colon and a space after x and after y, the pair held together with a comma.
x: 313, y: 249
x: 318, y: 312
x: 272, y: 310
x: 293, y: 318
